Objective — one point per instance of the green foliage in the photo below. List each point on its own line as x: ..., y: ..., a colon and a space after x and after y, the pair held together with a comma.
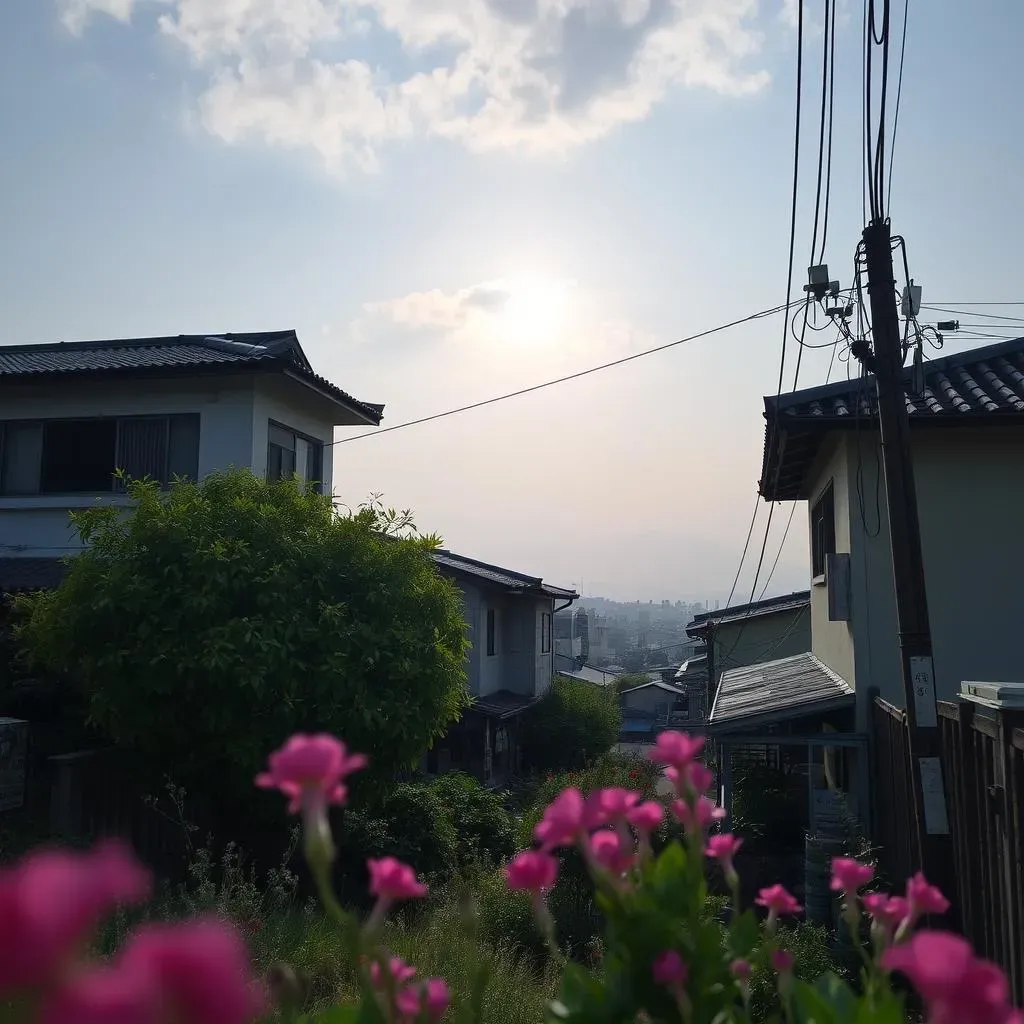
x: 572, y: 724
x: 214, y: 620
x: 630, y: 679
x: 482, y: 826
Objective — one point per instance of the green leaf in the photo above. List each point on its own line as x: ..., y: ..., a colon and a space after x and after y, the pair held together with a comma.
x: 811, y: 1006
x: 744, y: 933
x: 838, y: 994
x: 337, y: 1015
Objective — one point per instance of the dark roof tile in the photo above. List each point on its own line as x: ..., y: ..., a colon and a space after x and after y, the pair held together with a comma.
x: 496, y: 575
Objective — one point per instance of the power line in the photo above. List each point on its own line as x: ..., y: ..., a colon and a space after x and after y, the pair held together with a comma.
x: 966, y: 302
x: 568, y: 377
x: 971, y: 312
x: 899, y: 93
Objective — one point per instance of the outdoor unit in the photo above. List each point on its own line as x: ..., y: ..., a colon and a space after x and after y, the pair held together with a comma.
x: 837, y: 579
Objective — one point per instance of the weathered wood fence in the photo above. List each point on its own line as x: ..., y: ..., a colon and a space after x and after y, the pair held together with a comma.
x: 983, y: 766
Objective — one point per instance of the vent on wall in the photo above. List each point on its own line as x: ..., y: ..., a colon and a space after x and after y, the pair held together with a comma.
x: 837, y: 579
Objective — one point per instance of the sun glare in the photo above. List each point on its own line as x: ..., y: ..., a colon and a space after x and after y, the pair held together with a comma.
x: 536, y: 311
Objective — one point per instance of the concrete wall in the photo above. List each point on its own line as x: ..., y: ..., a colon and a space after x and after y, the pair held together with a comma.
x: 970, y: 488
x: 763, y: 638
x: 37, y: 525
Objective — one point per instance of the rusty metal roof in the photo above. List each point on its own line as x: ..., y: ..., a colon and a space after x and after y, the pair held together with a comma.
x: 981, y: 386
x: 777, y: 690
x: 268, y: 350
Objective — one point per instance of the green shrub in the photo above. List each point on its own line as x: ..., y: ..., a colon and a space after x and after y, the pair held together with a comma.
x: 572, y: 724
x: 483, y: 827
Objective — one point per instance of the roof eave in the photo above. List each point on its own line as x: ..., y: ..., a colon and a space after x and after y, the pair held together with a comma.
x: 365, y: 412
x: 786, y: 714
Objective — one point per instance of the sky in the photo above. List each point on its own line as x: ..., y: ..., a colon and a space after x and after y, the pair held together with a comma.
x: 452, y: 199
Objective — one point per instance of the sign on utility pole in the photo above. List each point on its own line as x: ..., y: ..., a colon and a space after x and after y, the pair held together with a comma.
x: 930, y: 817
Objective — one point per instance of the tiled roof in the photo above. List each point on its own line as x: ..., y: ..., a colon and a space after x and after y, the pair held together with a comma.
x: 30, y: 573
x: 754, y: 610
x: 778, y: 690
x: 979, y: 386
x: 502, y: 704
x: 274, y: 350
x: 507, y: 579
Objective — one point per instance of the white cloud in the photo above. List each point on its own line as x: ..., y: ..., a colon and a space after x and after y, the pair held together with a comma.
x: 437, y: 310
x: 543, y: 75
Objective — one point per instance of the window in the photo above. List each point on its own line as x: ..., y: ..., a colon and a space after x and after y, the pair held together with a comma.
x: 545, y: 633
x: 823, y: 531
x: 82, y: 456
x: 492, y: 633
x: 290, y: 454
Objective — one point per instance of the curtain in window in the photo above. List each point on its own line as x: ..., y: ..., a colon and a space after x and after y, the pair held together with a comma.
x: 142, y: 447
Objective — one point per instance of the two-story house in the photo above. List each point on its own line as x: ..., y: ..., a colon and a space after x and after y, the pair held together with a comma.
x: 822, y: 446
x: 510, y: 618
x: 73, y: 413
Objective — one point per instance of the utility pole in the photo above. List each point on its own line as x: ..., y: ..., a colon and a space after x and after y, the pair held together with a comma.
x: 930, y: 816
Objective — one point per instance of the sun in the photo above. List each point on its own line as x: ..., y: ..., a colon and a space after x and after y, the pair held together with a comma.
x: 536, y: 310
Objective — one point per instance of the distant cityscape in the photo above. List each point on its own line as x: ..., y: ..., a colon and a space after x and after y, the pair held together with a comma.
x: 631, y: 636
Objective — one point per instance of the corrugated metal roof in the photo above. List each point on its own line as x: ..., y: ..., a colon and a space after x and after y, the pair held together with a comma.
x: 982, y: 385
x: 756, y: 609
x: 125, y: 356
x: 496, y: 575
x: 786, y: 688
x: 566, y: 666
x: 31, y: 573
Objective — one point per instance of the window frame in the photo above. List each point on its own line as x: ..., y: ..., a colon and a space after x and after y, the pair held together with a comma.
x: 491, y: 630
x: 315, y: 444
x: 545, y: 633
x: 118, y: 421
x: 823, y: 530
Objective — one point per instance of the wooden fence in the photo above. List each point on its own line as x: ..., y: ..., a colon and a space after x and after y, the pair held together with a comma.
x: 983, y: 766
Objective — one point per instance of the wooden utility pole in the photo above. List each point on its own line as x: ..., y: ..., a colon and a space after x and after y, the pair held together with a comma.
x: 886, y: 361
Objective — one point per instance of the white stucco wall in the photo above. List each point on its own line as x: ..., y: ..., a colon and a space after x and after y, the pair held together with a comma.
x: 37, y: 525
x: 970, y: 488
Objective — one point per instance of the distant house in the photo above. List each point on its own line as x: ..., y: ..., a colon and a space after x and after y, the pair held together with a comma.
x: 572, y: 669
x: 509, y: 616
x: 650, y: 707
x: 73, y: 413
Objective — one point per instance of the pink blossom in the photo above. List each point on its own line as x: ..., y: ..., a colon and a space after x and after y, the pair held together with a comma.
x: 924, y: 898
x: 392, y: 880
x: 311, y: 771
x: 669, y: 970
x: 436, y: 996
x: 849, y: 875
x: 200, y: 968
x: 606, y: 806
x: 400, y: 972
x: 53, y: 900
x: 563, y: 820
x: 103, y: 995
x: 698, y: 816
x: 740, y: 969
x: 782, y: 961
x: 433, y: 996
x: 778, y: 900
x: 532, y: 871
x: 723, y: 848
x: 889, y: 911
x: 646, y: 817
x: 611, y: 852
x: 700, y: 777
x: 677, y: 749
x: 956, y: 986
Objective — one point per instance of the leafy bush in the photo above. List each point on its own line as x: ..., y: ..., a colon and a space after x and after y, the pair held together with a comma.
x: 483, y: 828
x: 573, y: 723
x: 236, y: 612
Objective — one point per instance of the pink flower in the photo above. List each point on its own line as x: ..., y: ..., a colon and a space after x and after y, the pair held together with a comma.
x: 611, y: 852
x: 563, y: 820
x: 723, y: 847
x: 436, y: 996
x: 606, y: 806
x: 782, y: 961
x: 52, y: 901
x: 103, y: 996
x: 392, y: 880
x: 776, y: 898
x: 698, y: 816
x: 956, y: 986
x: 924, y: 898
x: 311, y: 770
x: 700, y: 777
x: 200, y: 969
x: 532, y: 871
x: 669, y: 970
x: 740, y: 969
x: 889, y: 911
x: 677, y: 749
x: 433, y: 996
x: 400, y: 972
x: 646, y: 817
x: 848, y: 875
